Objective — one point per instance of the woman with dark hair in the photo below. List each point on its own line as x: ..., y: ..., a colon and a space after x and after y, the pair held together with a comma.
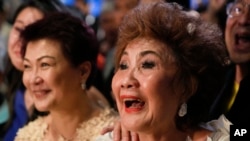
x: 59, y: 58
x: 18, y: 99
x: 20, y: 103
x: 169, y: 68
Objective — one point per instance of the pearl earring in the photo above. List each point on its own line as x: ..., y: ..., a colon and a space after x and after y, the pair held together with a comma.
x: 183, y: 110
x: 83, y: 85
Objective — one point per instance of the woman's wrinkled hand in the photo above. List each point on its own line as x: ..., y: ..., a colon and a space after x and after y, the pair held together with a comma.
x: 120, y: 133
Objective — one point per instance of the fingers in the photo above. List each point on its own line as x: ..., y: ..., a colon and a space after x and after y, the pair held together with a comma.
x: 122, y: 134
x: 117, y: 131
x: 125, y: 134
x: 134, y: 136
x: 107, y: 129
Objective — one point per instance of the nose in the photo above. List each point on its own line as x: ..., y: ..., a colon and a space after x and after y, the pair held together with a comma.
x: 35, y: 78
x: 130, y: 81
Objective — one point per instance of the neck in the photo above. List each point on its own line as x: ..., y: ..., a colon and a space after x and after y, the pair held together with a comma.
x: 64, y: 123
x: 163, y: 136
x: 240, y: 72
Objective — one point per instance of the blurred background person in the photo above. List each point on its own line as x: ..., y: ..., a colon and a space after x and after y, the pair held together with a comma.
x: 234, y: 94
x: 215, y: 12
x: 4, y: 33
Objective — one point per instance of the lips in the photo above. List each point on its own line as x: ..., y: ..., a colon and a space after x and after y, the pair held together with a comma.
x: 39, y: 94
x: 132, y: 104
x: 242, y: 42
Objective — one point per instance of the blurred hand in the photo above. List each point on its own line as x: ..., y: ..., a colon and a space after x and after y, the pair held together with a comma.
x: 120, y: 133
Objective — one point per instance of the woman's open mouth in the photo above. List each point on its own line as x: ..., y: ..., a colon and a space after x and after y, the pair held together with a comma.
x: 242, y: 42
x: 133, y: 104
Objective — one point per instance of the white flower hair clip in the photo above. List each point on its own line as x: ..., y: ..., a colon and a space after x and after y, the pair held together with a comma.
x: 193, y: 13
x: 191, y: 28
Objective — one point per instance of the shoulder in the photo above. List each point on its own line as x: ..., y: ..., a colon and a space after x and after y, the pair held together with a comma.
x: 220, y: 129
x: 34, y: 130
x: 92, y: 128
x: 105, y: 118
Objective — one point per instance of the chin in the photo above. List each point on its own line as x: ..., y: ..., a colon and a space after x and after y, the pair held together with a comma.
x: 132, y: 124
x: 41, y: 108
x: 240, y: 58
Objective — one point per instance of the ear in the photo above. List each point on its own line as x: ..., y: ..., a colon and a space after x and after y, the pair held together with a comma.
x: 85, y: 69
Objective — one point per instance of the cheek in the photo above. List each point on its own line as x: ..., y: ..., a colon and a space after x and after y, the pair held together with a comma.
x: 164, y: 96
x: 115, y: 84
x: 158, y: 83
x: 13, y: 37
x: 60, y: 80
x: 55, y: 80
x: 14, y: 47
x: 160, y: 88
x: 228, y: 29
x: 10, y: 45
x: 26, y: 80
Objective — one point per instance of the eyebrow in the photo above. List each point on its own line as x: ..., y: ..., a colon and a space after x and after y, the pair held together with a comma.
x: 149, y: 52
x: 40, y: 58
x: 19, y: 21
x: 144, y: 53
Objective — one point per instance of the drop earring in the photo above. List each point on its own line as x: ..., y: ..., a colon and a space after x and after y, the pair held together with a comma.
x: 83, y: 85
x: 183, y: 110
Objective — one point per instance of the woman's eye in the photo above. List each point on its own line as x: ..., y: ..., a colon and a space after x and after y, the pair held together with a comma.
x: 44, y: 64
x: 237, y: 9
x: 148, y: 65
x: 26, y: 66
x: 123, y: 66
x: 18, y: 29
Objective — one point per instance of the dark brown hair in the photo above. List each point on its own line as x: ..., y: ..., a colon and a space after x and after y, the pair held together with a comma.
x: 77, y: 41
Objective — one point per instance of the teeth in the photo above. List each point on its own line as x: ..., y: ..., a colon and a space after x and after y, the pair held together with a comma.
x: 134, y: 103
x: 139, y: 100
